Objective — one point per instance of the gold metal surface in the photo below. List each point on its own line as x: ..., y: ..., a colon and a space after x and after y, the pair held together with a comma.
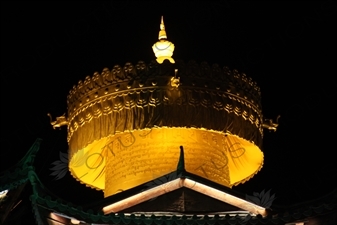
x: 122, y: 161
x: 60, y: 121
x: 125, y: 124
x: 270, y: 124
x: 163, y: 49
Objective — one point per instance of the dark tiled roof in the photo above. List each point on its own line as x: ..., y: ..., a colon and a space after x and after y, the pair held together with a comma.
x: 44, y: 203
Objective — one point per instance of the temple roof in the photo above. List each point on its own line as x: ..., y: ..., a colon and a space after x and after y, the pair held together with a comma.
x: 48, y: 207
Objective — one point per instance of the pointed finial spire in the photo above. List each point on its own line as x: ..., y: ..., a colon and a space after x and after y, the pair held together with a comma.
x: 163, y: 49
x: 162, y: 32
x: 162, y: 26
x: 181, y: 162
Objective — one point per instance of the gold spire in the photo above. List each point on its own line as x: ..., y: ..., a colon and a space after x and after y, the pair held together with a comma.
x: 163, y: 49
x: 162, y: 32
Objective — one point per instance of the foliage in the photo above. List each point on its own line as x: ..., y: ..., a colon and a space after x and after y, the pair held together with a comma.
x: 263, y: 198
x: 60, y: 167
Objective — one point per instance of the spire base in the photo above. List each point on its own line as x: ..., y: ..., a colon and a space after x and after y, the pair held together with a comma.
x: 161, y: 59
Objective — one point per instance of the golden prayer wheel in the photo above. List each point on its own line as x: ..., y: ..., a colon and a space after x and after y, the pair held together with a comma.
x: 125, y: 124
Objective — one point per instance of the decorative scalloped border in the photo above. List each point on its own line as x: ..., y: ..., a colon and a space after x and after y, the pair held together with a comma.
x: 121, y: 79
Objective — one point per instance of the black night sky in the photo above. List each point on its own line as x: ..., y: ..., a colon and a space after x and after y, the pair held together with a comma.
x: 288, y: 47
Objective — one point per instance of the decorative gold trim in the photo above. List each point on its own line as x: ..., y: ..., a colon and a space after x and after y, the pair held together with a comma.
x: 60, y: 121
x: 270, y: 124
x: 163, y: 49
x: 211, y: 90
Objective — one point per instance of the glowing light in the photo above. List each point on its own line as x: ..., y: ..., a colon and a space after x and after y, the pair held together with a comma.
x: 3, y: 193
x: 126, y: 160
x: 124, y: 132
x: 60, y: 217
x: 163, y: 49
x: 188, y: 183
x: 74, y: 221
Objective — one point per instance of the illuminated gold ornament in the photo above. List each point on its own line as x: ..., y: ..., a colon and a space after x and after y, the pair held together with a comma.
x: 163, y: 49
x: 125, y: 124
